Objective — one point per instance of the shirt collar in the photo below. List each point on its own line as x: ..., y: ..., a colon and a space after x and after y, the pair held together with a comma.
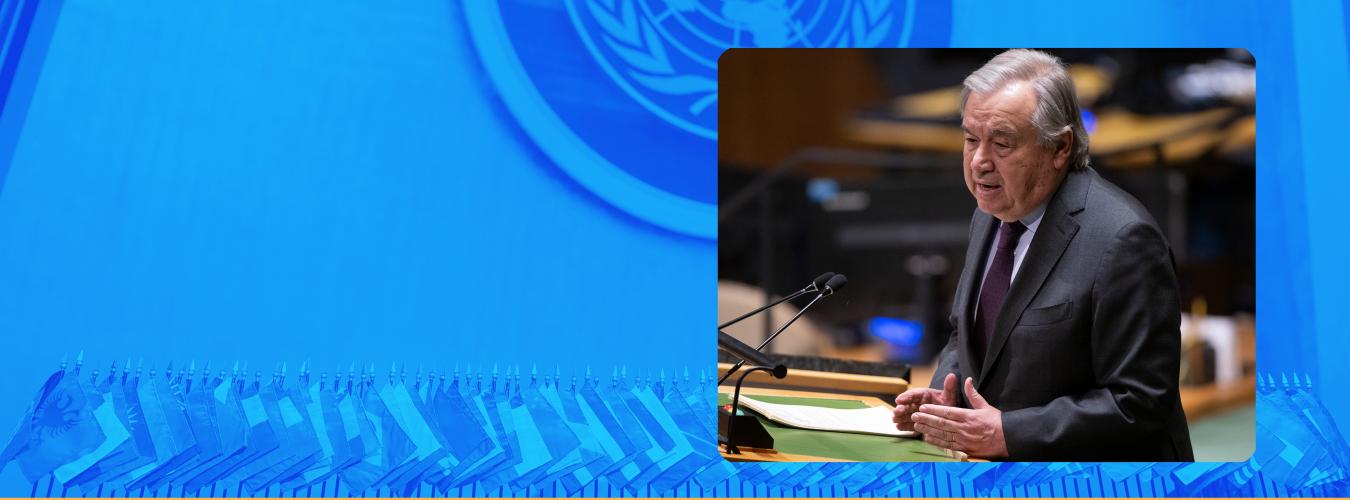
x: 1033, y: 218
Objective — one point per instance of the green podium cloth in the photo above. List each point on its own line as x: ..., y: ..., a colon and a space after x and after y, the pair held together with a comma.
x: 842, y: 445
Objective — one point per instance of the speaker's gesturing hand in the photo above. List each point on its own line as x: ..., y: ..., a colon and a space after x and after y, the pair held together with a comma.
x: 908, y: 402
x: 977, y: 431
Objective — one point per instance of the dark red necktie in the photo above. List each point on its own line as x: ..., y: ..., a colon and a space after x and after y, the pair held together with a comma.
x: 996, y: 284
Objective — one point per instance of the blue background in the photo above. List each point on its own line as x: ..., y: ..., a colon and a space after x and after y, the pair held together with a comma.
x: 348, y: 182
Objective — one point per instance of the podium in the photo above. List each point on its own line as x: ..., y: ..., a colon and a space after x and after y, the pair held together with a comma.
x: 805, y: 445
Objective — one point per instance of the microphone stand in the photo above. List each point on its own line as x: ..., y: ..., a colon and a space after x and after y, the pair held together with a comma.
x: 798, y: 293
x: 736, y: 404
x: 759, y: 362
x: 771, y: 337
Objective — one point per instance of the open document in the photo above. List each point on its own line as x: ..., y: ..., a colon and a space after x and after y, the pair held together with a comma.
x: 871, y: 420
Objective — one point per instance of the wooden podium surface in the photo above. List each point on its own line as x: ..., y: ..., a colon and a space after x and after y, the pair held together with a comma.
x: 829, y: 383
x: 804, y: 445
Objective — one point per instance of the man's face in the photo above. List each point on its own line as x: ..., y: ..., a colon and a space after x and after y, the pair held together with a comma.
x: 1007, y: 169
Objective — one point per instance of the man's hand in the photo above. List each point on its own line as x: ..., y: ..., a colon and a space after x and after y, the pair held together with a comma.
x: 909, y: 401
x: 977, y: 431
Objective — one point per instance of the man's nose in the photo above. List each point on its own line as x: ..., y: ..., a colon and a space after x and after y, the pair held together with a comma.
x: 980, y: 159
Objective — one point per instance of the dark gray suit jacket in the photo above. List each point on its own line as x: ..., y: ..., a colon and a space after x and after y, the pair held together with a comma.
x: 1086, y: 351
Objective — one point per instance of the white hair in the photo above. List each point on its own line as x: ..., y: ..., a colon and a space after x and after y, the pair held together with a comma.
x: 1056, y: 101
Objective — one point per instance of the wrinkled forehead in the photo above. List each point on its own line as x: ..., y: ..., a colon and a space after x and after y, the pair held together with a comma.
x: 1007, y: 109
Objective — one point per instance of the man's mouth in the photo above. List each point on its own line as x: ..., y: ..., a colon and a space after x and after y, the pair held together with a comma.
x: 987, y: 187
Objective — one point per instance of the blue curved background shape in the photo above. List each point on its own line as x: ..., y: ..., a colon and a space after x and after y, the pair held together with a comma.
x: 353, y: 184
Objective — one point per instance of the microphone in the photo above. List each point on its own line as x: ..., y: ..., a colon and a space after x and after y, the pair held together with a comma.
x: 832, y: 285
x: 741, y: 350
x: 815, y: 286
x: 821, y: 280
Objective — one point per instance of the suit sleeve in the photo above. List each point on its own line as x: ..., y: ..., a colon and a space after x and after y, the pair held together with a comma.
x: 1135, y: 353
x: 948, y: 361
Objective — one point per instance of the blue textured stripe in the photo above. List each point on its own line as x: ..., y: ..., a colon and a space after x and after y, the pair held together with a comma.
x: 545, y: 438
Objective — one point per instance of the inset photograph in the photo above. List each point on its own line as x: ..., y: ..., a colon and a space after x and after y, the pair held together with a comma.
x: 986, y: 255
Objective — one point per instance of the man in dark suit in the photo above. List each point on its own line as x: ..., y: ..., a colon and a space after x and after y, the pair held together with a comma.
x: 1067, y: 317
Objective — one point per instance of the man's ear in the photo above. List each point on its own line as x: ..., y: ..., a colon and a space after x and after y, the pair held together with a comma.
x: 1063, y: 148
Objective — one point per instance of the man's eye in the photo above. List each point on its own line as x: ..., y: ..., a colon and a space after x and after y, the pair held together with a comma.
x: 970, y: 140
x: 1002, y: 145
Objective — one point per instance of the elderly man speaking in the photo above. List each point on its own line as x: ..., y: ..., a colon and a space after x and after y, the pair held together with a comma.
x: 1066, y: 344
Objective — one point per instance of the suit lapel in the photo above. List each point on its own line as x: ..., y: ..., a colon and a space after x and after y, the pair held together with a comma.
x: 976, y: 255
x: 1056, y: 231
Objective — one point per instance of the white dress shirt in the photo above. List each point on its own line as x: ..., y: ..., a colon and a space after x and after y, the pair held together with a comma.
x: 1031, y: 221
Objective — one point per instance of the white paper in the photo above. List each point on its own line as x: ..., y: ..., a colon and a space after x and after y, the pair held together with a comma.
x: 871, y: 420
